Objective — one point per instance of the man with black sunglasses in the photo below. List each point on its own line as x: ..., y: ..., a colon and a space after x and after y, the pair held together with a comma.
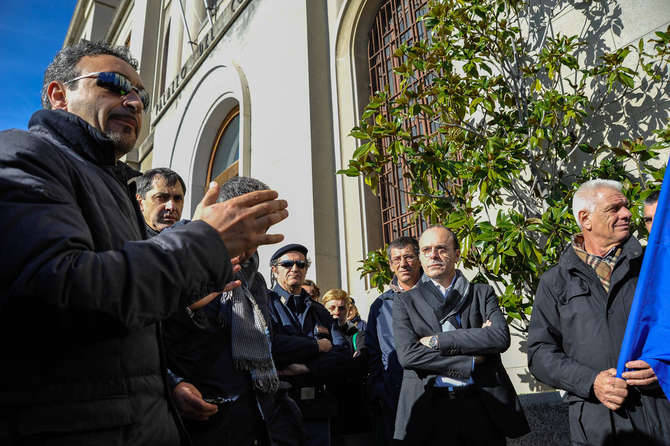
x: 308, y: 348
x: 82, y: 294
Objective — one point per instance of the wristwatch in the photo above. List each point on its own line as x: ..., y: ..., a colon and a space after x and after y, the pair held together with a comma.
x: 432, y: 343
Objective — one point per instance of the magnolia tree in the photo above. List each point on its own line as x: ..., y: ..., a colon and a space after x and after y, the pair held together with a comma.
x: 519, y: 114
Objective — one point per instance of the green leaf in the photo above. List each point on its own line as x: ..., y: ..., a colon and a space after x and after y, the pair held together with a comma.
x: 627, y: 80
x: 350, y: 172
x: 359, y: 134
x: 363, y: 149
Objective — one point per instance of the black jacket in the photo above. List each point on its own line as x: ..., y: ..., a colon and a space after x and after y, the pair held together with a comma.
x: 415, y: 316
x: 295, y: 336
x: 81, y: 292
x: 576, y: 332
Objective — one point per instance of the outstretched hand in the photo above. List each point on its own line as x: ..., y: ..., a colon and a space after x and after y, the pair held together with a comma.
x: 242, y: 222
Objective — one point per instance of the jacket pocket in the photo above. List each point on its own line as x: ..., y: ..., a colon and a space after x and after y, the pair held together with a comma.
x: 575, y: 306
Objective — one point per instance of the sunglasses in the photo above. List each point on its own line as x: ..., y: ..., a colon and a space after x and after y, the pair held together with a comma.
x: 116, y: 83
x: 288, y: 264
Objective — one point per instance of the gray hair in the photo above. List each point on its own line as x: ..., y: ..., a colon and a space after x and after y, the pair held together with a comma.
x: 584, y: 197
x: 237, y: 186
x: 63, y: 67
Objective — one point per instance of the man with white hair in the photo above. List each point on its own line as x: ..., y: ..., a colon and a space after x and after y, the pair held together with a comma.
x: 578, y: 323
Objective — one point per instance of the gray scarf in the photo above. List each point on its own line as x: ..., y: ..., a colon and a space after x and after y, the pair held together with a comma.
x: 250, y: 334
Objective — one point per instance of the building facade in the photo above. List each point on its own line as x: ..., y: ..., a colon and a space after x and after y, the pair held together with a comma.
x: 271, y: 89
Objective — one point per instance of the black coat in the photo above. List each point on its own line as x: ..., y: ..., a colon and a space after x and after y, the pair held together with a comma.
x: 576, y: 332
x: 414, y: 317
x: 295, y: 341
x: 81, y: 292
x: 295, y: 337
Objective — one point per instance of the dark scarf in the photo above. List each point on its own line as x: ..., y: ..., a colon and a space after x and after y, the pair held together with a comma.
x: 456, y: 299
x: 250, y: 334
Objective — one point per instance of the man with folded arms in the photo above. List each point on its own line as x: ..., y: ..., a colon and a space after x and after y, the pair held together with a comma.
x: 449, y: 334
x: 309, y: 350
x: 82, y: 292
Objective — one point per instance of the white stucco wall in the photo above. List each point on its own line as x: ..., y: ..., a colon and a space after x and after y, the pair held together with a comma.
x: 264, y: 53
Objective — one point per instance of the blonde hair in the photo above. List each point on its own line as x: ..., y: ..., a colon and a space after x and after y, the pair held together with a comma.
x: 336, y: 294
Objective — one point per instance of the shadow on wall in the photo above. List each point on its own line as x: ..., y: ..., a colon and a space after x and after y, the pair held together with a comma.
x: 648, y: 105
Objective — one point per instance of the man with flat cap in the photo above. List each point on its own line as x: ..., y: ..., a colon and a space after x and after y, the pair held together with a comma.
x: 308, y: 351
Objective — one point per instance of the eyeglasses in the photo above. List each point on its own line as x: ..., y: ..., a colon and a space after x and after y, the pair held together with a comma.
x: 116, y: 83
x: 288, y: 264
x: 441, y: 250
x: 407, y: 258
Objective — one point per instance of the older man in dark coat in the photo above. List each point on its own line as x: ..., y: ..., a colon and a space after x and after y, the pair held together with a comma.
x: 578, y: 323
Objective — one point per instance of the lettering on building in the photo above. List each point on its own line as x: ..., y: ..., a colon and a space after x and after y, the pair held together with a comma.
x: 200, y: 53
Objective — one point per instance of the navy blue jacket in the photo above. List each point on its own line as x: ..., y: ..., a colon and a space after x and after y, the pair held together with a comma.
x: 295, y: 335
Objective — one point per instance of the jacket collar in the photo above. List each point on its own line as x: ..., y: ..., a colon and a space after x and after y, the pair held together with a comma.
x: 631, y: 250
x: 151, y: 232
x: 76, y: 134
x: 286, y: 295
x: 394, y: 288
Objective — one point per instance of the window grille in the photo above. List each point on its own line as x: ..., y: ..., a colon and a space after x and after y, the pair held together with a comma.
x: 396, y: 23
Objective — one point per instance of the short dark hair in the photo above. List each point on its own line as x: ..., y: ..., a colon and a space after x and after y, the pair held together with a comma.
x: 63, y: 67
x: 453, y: 235
x: 652, y: 198
x: 145, y: 182
x: 237, y: 186
x: 403, y: 242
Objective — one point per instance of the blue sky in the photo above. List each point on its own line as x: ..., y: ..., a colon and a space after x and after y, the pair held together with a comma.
x: 31, y: 33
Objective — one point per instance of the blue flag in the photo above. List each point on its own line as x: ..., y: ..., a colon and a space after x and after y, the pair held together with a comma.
x: 648, y: 330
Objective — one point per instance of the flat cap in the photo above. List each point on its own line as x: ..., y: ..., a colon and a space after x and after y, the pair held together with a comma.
x: 288, y: 248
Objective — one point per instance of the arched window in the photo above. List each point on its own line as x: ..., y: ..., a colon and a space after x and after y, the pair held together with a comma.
x: 224, y: 160
x: 395, y: 23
